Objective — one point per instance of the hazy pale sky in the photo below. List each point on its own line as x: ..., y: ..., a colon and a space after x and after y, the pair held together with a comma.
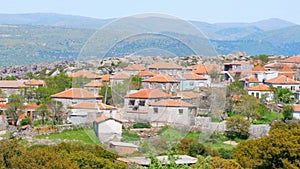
x: 201, y: 10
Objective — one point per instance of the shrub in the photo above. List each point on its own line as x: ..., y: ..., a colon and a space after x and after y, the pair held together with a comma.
x: 141, y: 125
x: 25, y: 121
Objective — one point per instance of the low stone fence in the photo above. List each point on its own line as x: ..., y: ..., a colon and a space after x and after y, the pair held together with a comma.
x: 205, y: 124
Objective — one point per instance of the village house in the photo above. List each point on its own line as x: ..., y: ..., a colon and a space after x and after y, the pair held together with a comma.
x: 108, y: 129
x: 171, y: 69
x: 85, y: 74
x: 249, y: 81
x: 10, y: 87
x: 260, y: 91
x: 284, y: 82
x: 162, y: 82
x: 296, y: 111
x: 105, y: 78
x: 145, y: 74
x: 288, y: 72
x: 94, y: 87
x: 136, y: 104
x: 87, y: 112
x: 237, y: 69
x: 133, y: 69
x: 76, y: 95
x: 34, y: 83
x: 123, y: 148
x: 119, y: 78
x: 190, y: 97
x: 174, y: 112
x: 192, y: 81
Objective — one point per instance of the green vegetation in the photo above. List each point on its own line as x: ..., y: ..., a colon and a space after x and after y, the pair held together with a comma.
x: 262, y: 57
x: 193, y: 135
x: 82, y: 135
x: 127, y: 137
x: 141, y: 125
x: 237, y: 127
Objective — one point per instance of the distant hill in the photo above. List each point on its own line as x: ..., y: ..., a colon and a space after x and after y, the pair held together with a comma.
x: 40, y: 37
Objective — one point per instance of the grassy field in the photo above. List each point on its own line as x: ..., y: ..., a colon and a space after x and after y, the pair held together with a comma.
x: 86, y: 136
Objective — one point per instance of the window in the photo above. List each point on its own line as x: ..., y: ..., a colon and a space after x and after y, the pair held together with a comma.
x: 180, y: 111
x: 28, y: 113
x: 293, y: 88
x: 142, y: 103
x: 279, y: 87
x: 155, y: 110
x: 257, y: 95
x: 131, y: 102
x: 191, y: 83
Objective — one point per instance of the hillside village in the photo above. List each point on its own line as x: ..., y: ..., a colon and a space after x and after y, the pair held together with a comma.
x: 196, y: 95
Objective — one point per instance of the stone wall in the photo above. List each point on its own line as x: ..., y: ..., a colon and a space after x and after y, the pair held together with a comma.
x: 3, y: 123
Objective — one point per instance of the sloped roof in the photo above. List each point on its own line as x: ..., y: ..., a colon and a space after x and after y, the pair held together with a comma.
x: 293, y: 59
x: 94, y: 83
x: 120, y: 76
x: 148, y: 94
x: 296, y: 107
x: 261, y: 87
x: 105, y: 78
x: 11, y: 84
x: 145, y: 73
x: 286, y: 68
x: 172, y: 103
x: 161, y: 79
x: 282, y: 80
x: 75, y: 93
x: 188, y: 94
x: 34, y: 82
x: 89, y: 105
x: 200, y: 69
x: 251, y: 78
x: 104, y: 118
x: 164, y: 65
x: 85, y: 73
x: 192, y: 76
x: 259, y: 68
x: 134, y: 67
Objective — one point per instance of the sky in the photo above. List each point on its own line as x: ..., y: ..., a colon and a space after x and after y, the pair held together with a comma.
x: 211, y: 11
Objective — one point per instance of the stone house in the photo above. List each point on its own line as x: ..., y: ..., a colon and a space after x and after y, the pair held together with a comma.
x: 123, y: 148
x: 108, y: 129
x: 162, y: 82
x: 87, y: 112
x: 171, y: 69
x: 10, y: 87
x: 192, y: 81
x: 133, y: 69
x: 76, y: 95
x: 119, y: 78
x: 260, y: 91
x: 94, y: 87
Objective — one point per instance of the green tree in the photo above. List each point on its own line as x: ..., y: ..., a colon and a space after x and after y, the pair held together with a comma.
x: 56, y: 109
x: 247, y: 106
x: 285, y: 95
x: 43, y: 112
x: 287, y: 112
x: 15, y: 107
x: 237, y: 127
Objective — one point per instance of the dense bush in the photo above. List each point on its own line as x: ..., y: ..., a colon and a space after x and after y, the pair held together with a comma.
x: 141, y: 125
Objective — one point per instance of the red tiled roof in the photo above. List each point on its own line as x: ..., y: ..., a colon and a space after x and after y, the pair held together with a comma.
x: 282, y: 80
x: 251, y: 78
x: 286, y: 68
x: 296, y: 107
x: 75, y: 93
x: 293, y: 59
x: 94, y: 83
x: 104, y: 118
x: 172, y: 103
x: 259, y: 68
x: 145, y: 74
x: 188, y: 94
x: 34, y: 82
x: 120, y: 76
x: 29, y: 106
x: 161, y: 79
x: 84, y: 73
x: 200, y: 69
x: 192, y: 76
x: 89, y: 105
x: 11, y: 84
x: 261, y: 87
x: 164, y: 65
x: 148, y: 94
x: 134, y: 67
x: 236, y: 98
x: 4, y: 106
x: 105, y: 78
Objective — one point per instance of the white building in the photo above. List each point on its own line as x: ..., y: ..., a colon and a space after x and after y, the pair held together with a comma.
x: 108, y: 129
x: 260, y: 91
x: 284, y: 82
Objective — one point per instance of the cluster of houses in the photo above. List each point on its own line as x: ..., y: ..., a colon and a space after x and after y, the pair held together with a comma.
x: 169, y: 94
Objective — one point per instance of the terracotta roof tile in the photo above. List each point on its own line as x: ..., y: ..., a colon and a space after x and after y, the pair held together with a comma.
x: 188, y: 95
x: 120, y: 76
x: 94, y: 83
x: 105, y: 78
x: 200, y: 69
x: 172, y: 103
x: 11, y: 84
x: 259, y: 68
x: 296, y: 107
x: 104, y: 118
x: 286, y: 68
x: 84, y: 73
x: 261, y: 87
x: 192, y: 76
x: 148, y: 94
x: 251, y: 78
x: 89, y: 105
x: 282, y: 80
x: 75, y: 93
x: 134, y: 67
x: 164, y: 65
x: 161, y: 79
x: 293, y: 59
x: 34, y: 82
x: 145, y: 74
